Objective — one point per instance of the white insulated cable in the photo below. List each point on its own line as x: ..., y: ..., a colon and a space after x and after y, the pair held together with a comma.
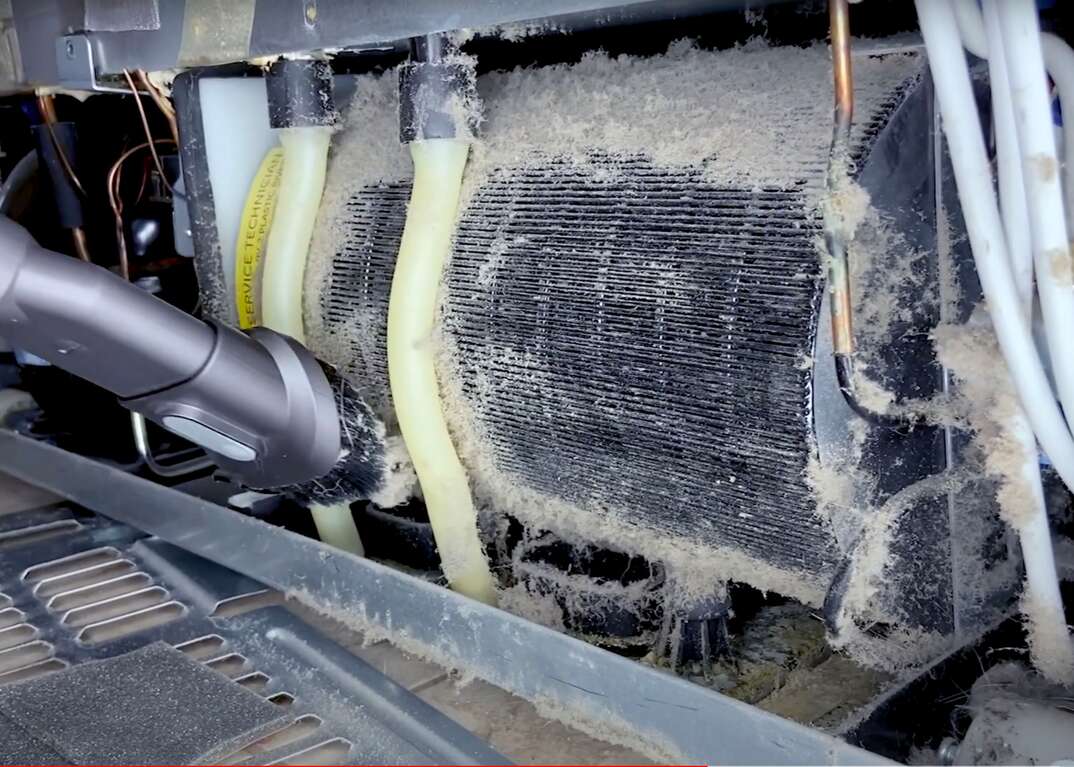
x: 1053, y: 652
x: 1020, y: 32
x: 1059, y: 61
x: 1013, y: 205
x: 973, y: 177
x: 981, y: 38
x: 971, y: 27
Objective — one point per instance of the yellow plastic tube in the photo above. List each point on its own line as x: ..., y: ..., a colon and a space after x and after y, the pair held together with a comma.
x: 335, y: 526
x: 423, y: 252
x: 305, y: 160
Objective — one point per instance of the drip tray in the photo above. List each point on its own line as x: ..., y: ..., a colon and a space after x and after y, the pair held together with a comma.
x: 76, y: 587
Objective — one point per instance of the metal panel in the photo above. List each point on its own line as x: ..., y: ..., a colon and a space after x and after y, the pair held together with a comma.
x: 121, y: 15
x: 284, y: 26
x: 38, y: 24
x: 268, y: 650
x: 683, y: 719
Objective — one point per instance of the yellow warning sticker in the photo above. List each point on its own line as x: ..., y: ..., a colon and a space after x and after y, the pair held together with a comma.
x: 253, y: 237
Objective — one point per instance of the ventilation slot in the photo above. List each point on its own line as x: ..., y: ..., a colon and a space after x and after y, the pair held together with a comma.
x: 5, y: 601
x: 203, y: 647
x: 16, y: 635
x: 301, y: 728
x: 24, y: 655
x: 255, y: 681
x: 88, y: 576
x: 231, y: 665
x: 12, y: 616
x: 114, y: 608
x: 28, y: 535
x: 330, y: 752
x: 282, y: 699
x: 98, y: 592
x: 245, y: 603
x: 132, y: 624
x: 71, y: 564
x: 34, y: 671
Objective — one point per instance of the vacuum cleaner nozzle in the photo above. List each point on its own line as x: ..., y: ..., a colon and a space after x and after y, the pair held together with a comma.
x: 259, y: 403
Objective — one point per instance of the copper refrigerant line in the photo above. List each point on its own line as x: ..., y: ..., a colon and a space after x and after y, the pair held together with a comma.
x: 46, y: 105
x: 840, y: 304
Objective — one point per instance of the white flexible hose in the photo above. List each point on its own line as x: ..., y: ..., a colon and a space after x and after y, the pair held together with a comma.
x: 981, y: 38
x: 974, y: 180
x: 1043, y: 602
x: 1013, y: 205
x: 1059, y: 61
x: 971, y: 27
x: 1040, y: 166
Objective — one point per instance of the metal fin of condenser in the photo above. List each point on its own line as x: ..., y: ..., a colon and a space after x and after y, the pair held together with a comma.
x: 630, y: 336
x: 102, y: 589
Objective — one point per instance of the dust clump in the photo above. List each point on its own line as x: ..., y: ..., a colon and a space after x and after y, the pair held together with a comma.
x: 867, y: 601
x: 616, y: 732
x: 871, y: 394
x: 401, y: 481
x: 778, y: 129
x: 840, y: 486
x: 515, y: 32
x: 532, y: 604
x: 1007, y: 703
x: 971, y: 352
x: 778, y: 643
x: 1060, y: 266
x: 846, y: 205
x: 1044, y: 166
x: 1048, y: 636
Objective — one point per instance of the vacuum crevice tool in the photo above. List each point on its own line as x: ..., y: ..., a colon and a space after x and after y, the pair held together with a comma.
x: 260, y: 403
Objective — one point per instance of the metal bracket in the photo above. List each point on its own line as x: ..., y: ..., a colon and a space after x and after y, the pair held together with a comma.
x: 75, y: 66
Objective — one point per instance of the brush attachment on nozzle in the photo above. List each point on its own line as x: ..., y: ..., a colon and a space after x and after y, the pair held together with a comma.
x: 361, y: 469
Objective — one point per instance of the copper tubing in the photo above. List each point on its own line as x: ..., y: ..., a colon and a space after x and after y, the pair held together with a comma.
x: 840, y: 303
x: 839, y: 271
x: 117, y: 204
x: 47, y: 106
x: 160, y: 99
x: 148, y: 133
x: 81, y: 249
x: 48, y: 113
x: 842, y: 71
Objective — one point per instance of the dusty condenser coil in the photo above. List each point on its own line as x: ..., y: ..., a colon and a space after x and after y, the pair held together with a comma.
x: 633, y: 346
